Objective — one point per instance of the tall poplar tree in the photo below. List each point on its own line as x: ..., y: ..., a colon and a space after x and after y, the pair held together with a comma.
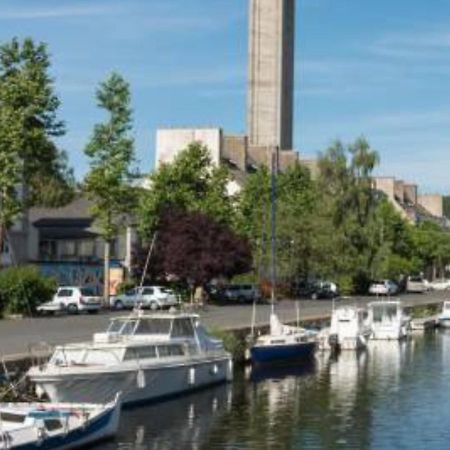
x: 29, y: 159
x: 111, y: 153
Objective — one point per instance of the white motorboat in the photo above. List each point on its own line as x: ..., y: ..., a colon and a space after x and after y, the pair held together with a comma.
x: 444, y: 317
x: 387, y: 320
x: 348, y: 330
x: 61, y: 426
x: 145, y: 356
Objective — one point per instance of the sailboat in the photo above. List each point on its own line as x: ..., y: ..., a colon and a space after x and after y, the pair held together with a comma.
x: 283, y: 343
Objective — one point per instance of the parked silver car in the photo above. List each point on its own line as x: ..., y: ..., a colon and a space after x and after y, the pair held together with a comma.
x: 153, y: 297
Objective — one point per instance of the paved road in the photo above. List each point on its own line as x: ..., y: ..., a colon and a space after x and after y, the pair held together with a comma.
x: 16, y: 336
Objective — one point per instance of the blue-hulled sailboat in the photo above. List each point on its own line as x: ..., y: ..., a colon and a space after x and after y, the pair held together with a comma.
x: 283, y: 343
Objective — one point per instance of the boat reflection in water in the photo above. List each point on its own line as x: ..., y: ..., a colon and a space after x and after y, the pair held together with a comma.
x: 352, y: 400
x: 183, y: 423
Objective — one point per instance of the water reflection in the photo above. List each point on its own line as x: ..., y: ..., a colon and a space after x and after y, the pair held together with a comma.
x: 383, y: 398
x: 182, y: 423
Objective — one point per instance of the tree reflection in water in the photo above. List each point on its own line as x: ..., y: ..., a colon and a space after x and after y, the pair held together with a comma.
x: 351, y: 401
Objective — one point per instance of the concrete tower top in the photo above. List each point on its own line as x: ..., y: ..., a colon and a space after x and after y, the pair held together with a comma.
x: 271, y: 73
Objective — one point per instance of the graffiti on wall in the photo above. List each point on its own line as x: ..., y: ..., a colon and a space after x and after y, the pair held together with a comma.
x: 87, y: 275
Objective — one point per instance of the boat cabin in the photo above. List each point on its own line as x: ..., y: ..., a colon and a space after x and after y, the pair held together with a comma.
x: 150, y: 337
x: 158, y: 326
x: 385, y: 311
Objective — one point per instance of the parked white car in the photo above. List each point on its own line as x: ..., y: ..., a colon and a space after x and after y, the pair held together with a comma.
x: 383, y: 287
x: 417, y: 284
x: 440, y: 285
x: 72, y: 299
x: 153, y: 297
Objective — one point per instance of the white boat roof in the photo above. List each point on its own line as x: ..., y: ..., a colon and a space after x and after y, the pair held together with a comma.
x: 24, y: 408
x: 385, y: 302
x: 157, y: 315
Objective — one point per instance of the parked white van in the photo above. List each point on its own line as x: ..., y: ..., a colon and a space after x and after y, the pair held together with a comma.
x: 416, y: 284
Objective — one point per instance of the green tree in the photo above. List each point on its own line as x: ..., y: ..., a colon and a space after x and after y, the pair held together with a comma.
x: 24, y: 73
x: 29, y: 159
x: 432, y: 247
x: 295, y: 199
x: 348, y: 203
x: 10, y: 170
x: 190, y: 183
x: 111, y: 153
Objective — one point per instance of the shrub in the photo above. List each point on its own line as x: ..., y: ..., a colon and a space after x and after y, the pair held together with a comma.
x: 233, y: 342
x: 125, y: 286
x: 22, y: 289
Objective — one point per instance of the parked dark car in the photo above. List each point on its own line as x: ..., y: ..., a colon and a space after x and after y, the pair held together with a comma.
x: 235, y: 292
x: 316, y: 290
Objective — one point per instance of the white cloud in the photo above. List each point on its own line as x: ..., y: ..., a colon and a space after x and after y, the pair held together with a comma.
x: 418, y: 44
x: 58, y: 12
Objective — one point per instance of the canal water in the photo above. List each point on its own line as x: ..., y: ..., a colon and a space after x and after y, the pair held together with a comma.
x: 394, y: 396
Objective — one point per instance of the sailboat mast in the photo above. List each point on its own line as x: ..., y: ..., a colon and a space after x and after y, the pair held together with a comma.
x: 274, y: 171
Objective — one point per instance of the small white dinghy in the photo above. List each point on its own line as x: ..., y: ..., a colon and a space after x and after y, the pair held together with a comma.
x: 444, y: 317
x: 61, y: 426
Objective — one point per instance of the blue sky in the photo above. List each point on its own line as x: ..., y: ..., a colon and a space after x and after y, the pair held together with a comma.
x: 379, y: 69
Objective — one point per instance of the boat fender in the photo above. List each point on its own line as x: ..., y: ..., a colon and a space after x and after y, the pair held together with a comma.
x: 39, y: 391
x: 6, y: 440
x: 41, y: 435
x: 140, y: 379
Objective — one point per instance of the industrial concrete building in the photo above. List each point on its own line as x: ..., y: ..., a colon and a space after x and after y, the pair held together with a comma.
x: 412, y: 206
x: 271, y: 73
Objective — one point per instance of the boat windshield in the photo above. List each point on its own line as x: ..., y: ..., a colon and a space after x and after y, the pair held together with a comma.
x: 153, y: 326
x: 447, y: 305
x: 122, y: 326
x: 384, y: 312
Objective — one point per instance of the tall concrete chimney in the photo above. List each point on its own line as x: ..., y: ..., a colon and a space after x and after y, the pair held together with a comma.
x: 271, y: 73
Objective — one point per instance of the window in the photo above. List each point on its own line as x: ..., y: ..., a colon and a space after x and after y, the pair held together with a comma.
x: 122, y: 326
x: 170, y: 350
x: 68, y: 248
x: 87, y: 292
x: 52, y: 424
x: 65, y: 293
x: 115, y: 326
x: 101, y: 357
x: 86, y: 248
x: 153, y: 326
x: 147, y: 291
x: 10, y: 417
x: 128, y: 328
x: 140, y: 353
x: 182, y: 328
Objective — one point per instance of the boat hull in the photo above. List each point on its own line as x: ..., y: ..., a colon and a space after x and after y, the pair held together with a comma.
x: 137, y: 385
x: 444, y: 322
x: 389, y: 333
x: 98, y: 429
x: 266, y: 354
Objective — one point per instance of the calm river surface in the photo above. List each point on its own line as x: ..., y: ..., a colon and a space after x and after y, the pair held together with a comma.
x: 394, y: 396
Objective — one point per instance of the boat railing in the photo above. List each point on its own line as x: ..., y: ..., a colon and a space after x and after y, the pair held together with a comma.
x: 40, y: 352
x: 65, y: 349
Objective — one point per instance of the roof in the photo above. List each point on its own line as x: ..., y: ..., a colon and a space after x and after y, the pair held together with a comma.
x: 158, y: 315
x: 77, y: 209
